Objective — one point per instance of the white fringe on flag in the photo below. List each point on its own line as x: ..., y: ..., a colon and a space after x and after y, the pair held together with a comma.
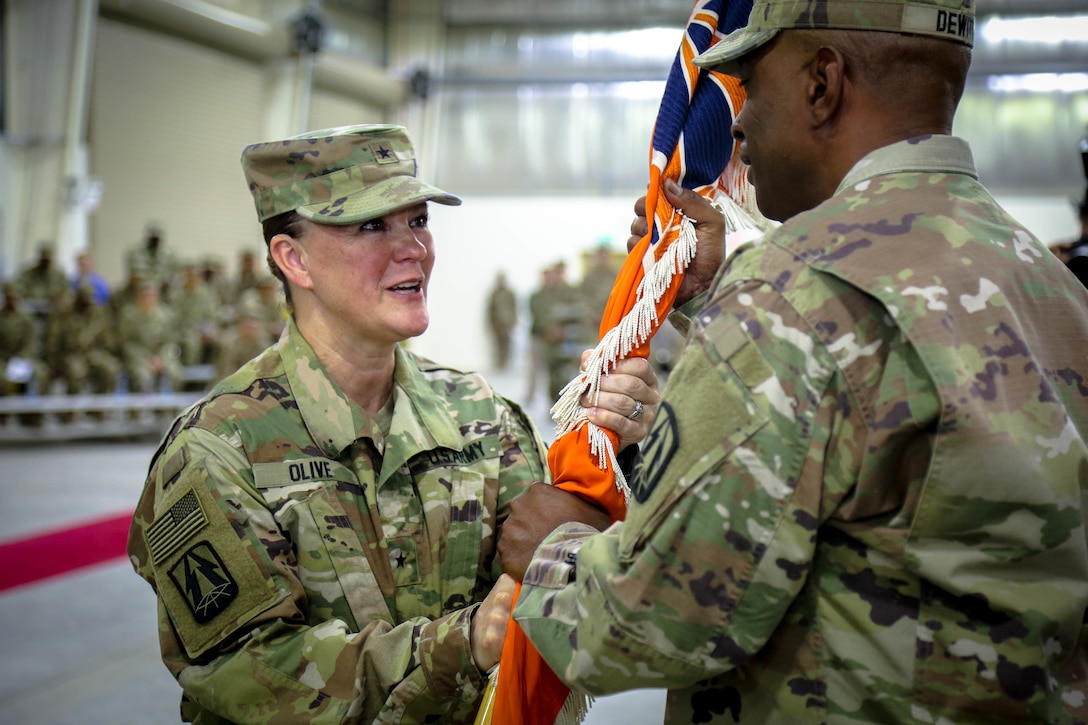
x: 634, y: 329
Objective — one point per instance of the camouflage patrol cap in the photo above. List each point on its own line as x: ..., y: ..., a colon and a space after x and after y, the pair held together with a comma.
x: 948, y: 19
x: 339, y: 175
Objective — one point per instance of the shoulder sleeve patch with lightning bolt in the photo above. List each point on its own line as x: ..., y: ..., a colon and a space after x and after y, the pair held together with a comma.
x: 208, y: 579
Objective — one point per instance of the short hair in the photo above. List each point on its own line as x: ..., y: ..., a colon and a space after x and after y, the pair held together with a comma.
x: 910, y: 71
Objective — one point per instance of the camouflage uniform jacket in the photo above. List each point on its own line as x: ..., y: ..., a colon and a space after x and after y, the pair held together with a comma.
x: 310, y: 568
x: 862, y: 500
x: 18, y: 335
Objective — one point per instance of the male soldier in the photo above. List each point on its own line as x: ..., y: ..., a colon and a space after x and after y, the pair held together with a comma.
x: 862, y: 499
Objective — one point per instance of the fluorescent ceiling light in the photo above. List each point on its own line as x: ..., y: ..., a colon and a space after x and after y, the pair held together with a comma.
x: 1039, y: 83
x: 1050, y: 30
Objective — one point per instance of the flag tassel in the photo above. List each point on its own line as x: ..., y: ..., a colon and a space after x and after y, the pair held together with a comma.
x: 633, y: 330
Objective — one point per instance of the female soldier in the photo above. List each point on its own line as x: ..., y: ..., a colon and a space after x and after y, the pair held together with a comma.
x: 321, y: 528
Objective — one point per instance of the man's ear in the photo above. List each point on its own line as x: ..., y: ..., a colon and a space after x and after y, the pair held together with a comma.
x: 826, y: 85
x: 288, y: 256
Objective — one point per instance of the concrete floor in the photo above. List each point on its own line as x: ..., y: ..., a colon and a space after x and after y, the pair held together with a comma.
x: 82, y: 648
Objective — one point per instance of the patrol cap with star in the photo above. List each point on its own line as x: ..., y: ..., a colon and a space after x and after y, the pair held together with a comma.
x: 952, y: 20
x: 341, y: 175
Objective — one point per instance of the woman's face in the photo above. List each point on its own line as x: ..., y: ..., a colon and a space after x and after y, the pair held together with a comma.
x: 369, y: 280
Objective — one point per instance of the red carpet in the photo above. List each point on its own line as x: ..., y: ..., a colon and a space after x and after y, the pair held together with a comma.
x: 37, y: 557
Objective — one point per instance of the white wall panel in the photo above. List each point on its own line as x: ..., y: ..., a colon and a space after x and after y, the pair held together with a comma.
x: 328, y: 110
x: 169, y: 120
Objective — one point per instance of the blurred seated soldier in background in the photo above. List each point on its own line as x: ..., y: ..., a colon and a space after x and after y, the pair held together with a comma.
x: 79, y: 346
x: 41, y: 283
x: 125, y: 296
x: 216, y: 280
x: 21, y: 363
x: 346, y: 494
x: 244, y: 340
x: 248, y: 275
x: 147, y: 344
x: 197, y: 317
x: 266, y: 300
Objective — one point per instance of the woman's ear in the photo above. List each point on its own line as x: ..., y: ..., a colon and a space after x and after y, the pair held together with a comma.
x: 826, y: 84
x: 287, y: 253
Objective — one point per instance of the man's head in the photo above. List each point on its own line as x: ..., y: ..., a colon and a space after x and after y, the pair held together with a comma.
x: 338, y: 176
x: 952, y: 20
x: 829, y: 81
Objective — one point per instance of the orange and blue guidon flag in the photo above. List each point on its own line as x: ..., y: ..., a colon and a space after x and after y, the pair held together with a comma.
x: 691, y: 144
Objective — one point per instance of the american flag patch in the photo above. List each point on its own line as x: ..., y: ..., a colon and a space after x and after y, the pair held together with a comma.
x: 175, y: 526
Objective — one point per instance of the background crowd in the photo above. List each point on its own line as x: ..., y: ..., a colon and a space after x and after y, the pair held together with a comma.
x: 176, y: 324
x: 173, y: 324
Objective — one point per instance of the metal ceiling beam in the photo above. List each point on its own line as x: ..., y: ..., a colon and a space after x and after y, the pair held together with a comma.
x: 596, y: 14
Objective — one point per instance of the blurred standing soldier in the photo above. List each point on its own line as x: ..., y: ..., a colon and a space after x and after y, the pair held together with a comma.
x: 536, y: 336
x: 80, y: 343
x: 502, y: 317
x: 155, y: 259
x: 21, y: 363
x: 147, y: 343
x: 87, y: 275
x: 561, y: 315
x: 197, y: 316
x: 595, y: 288
x: 863, y: 499
x: 41, y: 284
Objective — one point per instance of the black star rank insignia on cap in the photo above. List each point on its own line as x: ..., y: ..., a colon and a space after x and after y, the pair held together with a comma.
x: 383, y: 152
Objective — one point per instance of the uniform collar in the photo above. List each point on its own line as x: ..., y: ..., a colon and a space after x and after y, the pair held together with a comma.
x: 420, y: 417
x: 929, y: 154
